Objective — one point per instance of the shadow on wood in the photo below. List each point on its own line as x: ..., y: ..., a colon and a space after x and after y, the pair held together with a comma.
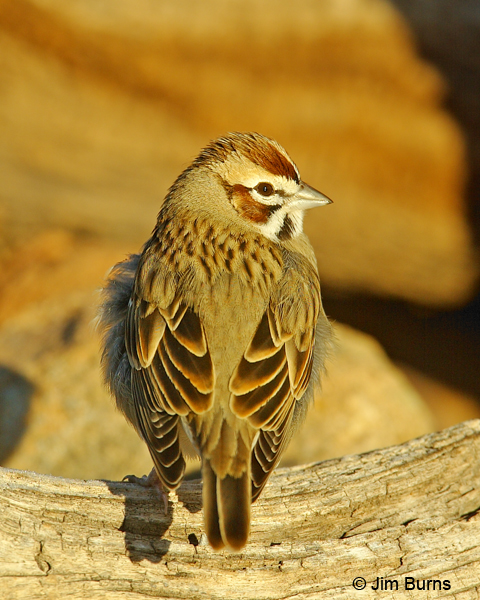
x: 406, y: 511
x: 145, y: 524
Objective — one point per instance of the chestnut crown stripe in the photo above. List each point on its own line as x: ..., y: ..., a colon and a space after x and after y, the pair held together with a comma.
x: 256, y: 148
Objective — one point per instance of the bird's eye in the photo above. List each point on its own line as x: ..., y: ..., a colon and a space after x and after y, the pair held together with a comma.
x: 265, y: 189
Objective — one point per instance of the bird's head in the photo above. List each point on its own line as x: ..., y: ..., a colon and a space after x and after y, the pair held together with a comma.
x: 261, y: 184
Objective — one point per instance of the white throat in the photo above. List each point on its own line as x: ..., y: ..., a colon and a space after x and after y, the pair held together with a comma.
x: 283, y: 225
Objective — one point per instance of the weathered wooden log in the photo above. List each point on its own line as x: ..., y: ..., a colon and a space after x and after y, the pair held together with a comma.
x: 398, y: 517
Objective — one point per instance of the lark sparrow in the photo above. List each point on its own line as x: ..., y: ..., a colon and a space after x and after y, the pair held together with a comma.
x: 217, y: 327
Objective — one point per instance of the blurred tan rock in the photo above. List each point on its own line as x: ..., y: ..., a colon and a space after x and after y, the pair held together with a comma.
x: 448, y: 405
x: 102, y: 105
x: 48, y: 265
x: 72, y: 427
x: 48, y: 291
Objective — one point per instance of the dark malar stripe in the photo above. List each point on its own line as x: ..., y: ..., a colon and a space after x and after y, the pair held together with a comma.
x: 287, y: 229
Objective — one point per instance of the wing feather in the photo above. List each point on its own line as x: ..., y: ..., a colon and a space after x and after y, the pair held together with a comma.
x: 266, y: 416
x: 260, y: 389
x: 266, y: 454
x: 248, y: 376
x: 161, y: 437
x: 169, y: 312
x: 262, y: 346
x: 172, y: 377
x: 246, y: 404
x: 174, y: 403
x: 274, y: 374
x: 154, y: 397
x: 299, y: 364
x: 197, y: 369
x: 190, y: 333
x: 149, y: 336
x: 195, y: 400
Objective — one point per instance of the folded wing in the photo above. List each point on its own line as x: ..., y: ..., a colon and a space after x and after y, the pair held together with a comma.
x: 272, y: 377
x: 172, y: 377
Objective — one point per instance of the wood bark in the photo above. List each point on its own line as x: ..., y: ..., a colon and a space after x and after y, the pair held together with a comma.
x: 411, y: 510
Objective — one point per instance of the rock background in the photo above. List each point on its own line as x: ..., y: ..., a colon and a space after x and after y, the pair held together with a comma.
x: 448, y: 35
x: 101, y: 109
x: 102, y: 106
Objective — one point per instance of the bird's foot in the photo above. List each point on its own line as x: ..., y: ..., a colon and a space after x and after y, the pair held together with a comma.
x: 153, y: 481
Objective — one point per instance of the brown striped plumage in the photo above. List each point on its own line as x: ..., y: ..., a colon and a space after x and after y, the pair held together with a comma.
x: 217, y: 327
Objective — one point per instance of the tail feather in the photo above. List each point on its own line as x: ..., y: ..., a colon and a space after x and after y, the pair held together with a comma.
x: 226, y: 506
x: 234, y: 500
x: 210, y: 507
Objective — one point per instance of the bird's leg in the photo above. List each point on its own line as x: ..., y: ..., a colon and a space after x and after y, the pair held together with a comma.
x: 151, y: 480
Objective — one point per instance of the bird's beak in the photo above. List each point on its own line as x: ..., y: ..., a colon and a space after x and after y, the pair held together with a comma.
x: 308, y: 197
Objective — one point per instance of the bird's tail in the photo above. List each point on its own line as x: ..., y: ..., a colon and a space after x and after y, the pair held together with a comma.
x: 226, y: 507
